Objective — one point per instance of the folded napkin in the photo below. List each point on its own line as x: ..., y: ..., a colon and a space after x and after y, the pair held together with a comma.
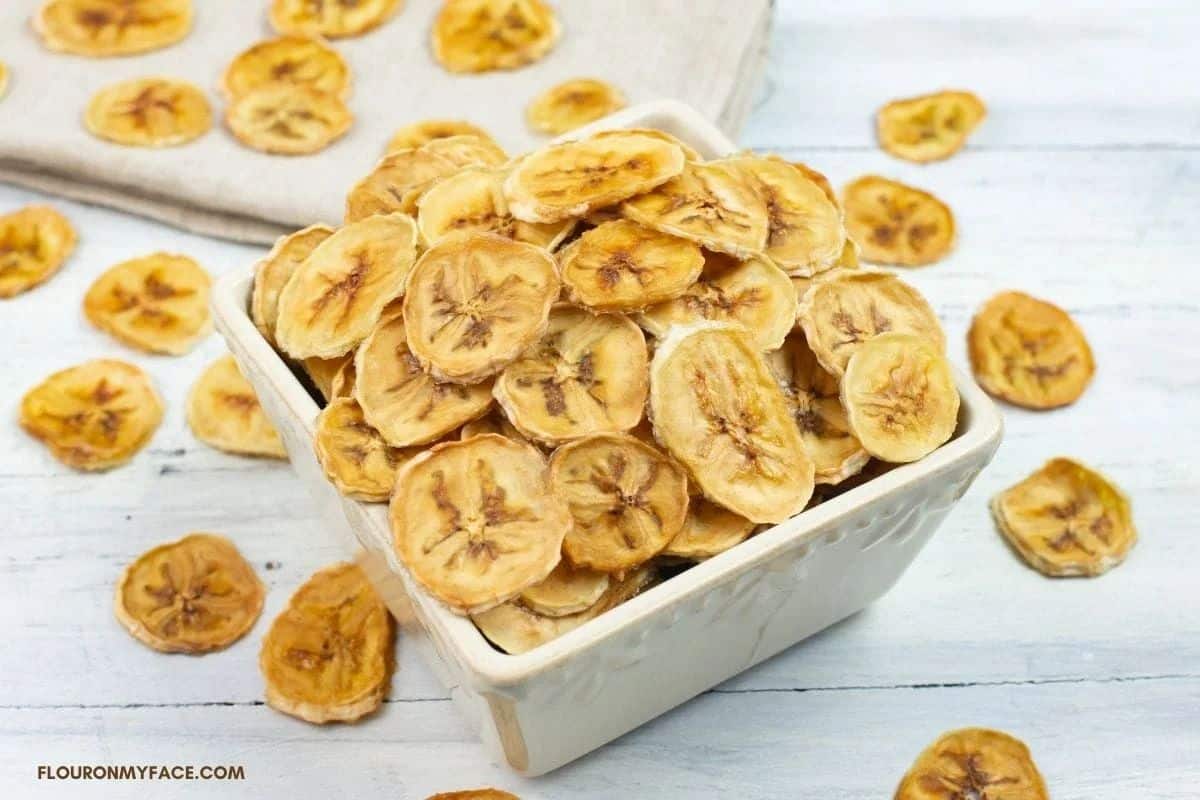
x: 703, y: 52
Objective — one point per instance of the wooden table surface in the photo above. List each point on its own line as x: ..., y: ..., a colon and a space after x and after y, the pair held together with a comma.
x: 1082, y: 187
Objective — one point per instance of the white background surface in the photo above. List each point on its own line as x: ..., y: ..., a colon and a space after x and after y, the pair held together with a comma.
x: 1082, y: 187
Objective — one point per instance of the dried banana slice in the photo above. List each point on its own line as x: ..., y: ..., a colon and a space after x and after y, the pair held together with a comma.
x: 472, y: 199
x: 338, y: 294
x: 288, y: 120
x: 149, y: 112
x: 223, y: 411
x: 567, y: 590
x: 322, y: 371
x: 1029, y: 352
x: 895, y: 223
x: 475, y: 302
x: 974, y: 763
x: 416, y: 134
x: 930, y: 127
x: 1066, y: 520
x: 689, y: 153
x: 586, y: 375
x: 467, y: 151
x: 356, y: 459
x: 707, y: 531
x: 475, y: 523
x: 754, y: 295
x: 195, y: 595
x: 849, y: 307
x: 396, y: 183
x: 900, y: 398
x: 333, y: 19
x: 158, y: 303
x: 717, y: 409
x: 474, y: 794
x: 273, y: 272
x: 101, y: 28
x: 570, y: 179
x: 35, y: 241
x: 483, y: 35
x: 816, y: 177
x: 289, y: 61
x: 624, y: 266
x: 572, y: 104
x: 94, y: 416
x: 329, y: 655
x: 496, y: 423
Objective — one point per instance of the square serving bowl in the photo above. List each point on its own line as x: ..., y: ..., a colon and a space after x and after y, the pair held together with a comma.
x: 538, y: 710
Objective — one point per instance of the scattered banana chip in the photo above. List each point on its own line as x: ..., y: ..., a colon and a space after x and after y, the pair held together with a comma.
x: 338, y: 294
x: 1029, y: 352
x: 101, y: 28
x: 288, y: 120
x: 158, y: 303
x: 396, y: 183
x: 1066, y: 520
x: 475, y: 523
x: 356, y: 459
x: 273, y: 272
x: 416, y: 134
x: 897, y: 224
x: 567, y: 590
x: 35, y: 241
x: 930, y: 127
x: 289, y: 61
x: 586, y: 375
x: 484, y: 35
x: 717, y: 409
x: 93, y: 416
x: 467, y: 151
x: 333, y: 19
x: 472, y: 200
x: 195, y: 595
x: 573, y: 178
x: 899, y: 396
x: 475, y: 302
x: 322, y: 372
x: 149, y: 112
x: 707, y: 531
x: 974, y: 763
x: 223, y: 411
x: 474, y: 794
x: 571, y: 104
x: 328, y: 656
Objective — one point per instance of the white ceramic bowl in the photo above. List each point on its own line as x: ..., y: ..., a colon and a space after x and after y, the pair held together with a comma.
x: 541, y: 709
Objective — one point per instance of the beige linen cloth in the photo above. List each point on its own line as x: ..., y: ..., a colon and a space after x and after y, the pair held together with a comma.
x: 704, y: 52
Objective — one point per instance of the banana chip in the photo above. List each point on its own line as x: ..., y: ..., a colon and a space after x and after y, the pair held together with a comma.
x: 223, y: 411
x: 974, y: 763
x: 484, y: 35
x: 35, y: 241
x: 472, y: 199
x: 158, y: 303
x: 475, y: 302
x: 416, y: 134
x: 288, y: 120
x: 567, y: 590
x: 571, y: 179
x: 101, y: 28
x: 1066, y: 520
x: 273, y: 272
x: 689, y: 153
x: 466, y: 150
x: 900, y: 398
x: 356, y: 459
x: 333, y: 19
x: 717, y: 409
x: 895, y: 223
x: 586, y: 375
x: 816, y: 177
x: 396, y: 183
x: 93, y: 416
x: 345, y: 380
x: 195, y: 595
x: 288, y: 61
x: 338, y: 294
x: 571, y: 104
x: 494, y: 422
x: 475, y: 523
x: 149, y: 112
x: 1029, y: 352
x: 930, y: 127
x: 707, y: 531
x: 322, y: 372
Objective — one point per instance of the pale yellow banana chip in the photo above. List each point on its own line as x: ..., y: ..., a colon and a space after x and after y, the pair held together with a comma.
x: 100, y: 28
x: 415, y: 134
x: 289, y: 61
x: 689, y: 153
x: 288, y: 120
x: 396, y: 183
x: 356, y: 459
x: 333, y: 19
x: 35, y: 241
x: 149, y: 112
x: 466, y: 150
x: 484, y: 35
x: 567, y: 590
x: 322, y: 372
x: 707, y: 531
x: 898, y: 224
x: 273, y: 272
x: 472, y: 200
x: 572, y: 104
x: 816, y: 177
x: 223, y: 411
x: 974, y: 763
x: 929, y: 127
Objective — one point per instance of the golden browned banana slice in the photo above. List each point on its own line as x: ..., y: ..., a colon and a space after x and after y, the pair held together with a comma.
x: 586, y: 375
x: 472, y: 199
x: 494, y: 422
x: 708, y: 530
x: 112, y: 27
x: 571, y: 104
x: 475, y: 302
x: 570, y: 179
x: 624, y: 266
x: 895, y: 223
x: 1066, y: 520
x: 195, y: 595
x: 690, y: 153
x: 899, y: 396
x: 273, y: 272
x: 754, y: 295
x: 974, y: 763
x: 356, y: 459
x: 290, y: 61
x: 34, y: 243
x: 567, y: 590
x: 396, y: 183
x: 333, y: 19
x: 93, y: 416
x: 1029, y: 352
x: 288, y: 120
x: 223, y: 411
x: 322, y: 372
x: 930, y: 127
x: 329, y: 655
x: 717, y: 409
x: 474, y: 794
x: 338, y: 294
x: 416, y: 134
x: 158, y: 303
x: 483, y: 35
x: 149, y: 112
x: 849, y: 307
x: 466, y: 150
x: 475, y: 521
